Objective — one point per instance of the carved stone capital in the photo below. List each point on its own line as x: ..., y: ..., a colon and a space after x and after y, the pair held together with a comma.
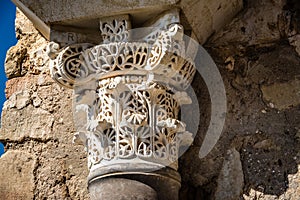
x: 128, y: 94
x: 160, y: 54
x: 130, y: 118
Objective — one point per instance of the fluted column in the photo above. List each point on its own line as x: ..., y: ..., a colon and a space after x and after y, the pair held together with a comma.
x: 128, y: 93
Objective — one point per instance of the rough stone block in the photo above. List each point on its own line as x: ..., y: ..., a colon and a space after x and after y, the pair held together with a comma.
x: 282, y: 95
x: 62, y: 171
x: 13, y: 61
x: 27, y: 122
x: 231, y: 178
x: 17, y: 175
x: 36, y: 108
x: 23, y: 25
x: 63, y: 11
x: 257, y: 25
x: 207, y: 17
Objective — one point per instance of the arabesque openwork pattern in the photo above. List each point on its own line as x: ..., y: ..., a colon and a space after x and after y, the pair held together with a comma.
x: 80, y: 63
x: 128, y: 94
x: 129, y: 119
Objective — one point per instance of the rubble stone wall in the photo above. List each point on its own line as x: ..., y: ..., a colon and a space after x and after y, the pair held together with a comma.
x: 37, y: 127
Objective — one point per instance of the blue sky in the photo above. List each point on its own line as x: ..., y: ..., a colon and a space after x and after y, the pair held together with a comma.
x: 7, y: 39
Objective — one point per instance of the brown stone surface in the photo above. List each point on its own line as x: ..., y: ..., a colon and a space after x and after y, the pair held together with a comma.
x: 14, y: 60
x: 37, y: 123
x: 62, y: 171
x: 33, y: 109
x: 282, y: 95
x: 252, y: 53
x: 17, y: 170
x: 256, y: 25
x: 207, y: 17
x: 28, y: 55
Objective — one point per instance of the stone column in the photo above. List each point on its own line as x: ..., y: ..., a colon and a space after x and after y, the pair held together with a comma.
x: 128, y: 94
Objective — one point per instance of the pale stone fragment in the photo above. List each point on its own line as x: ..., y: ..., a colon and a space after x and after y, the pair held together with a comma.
x: 18, y: 100
x: 13, y: 62
x: 207, y: 17
x: 295, y: 41
x: 23, y: 25
x: 231, y: 178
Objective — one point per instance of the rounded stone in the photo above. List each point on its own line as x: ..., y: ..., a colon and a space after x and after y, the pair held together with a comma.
x: 120, y: 189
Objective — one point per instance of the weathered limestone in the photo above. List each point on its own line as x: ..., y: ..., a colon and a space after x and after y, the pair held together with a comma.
x: 36, y: 126
x: 29, y: 103
x: 230, y: 180
x: 41, y: 129
x: 263, y: 26
x: 20, y: 166
x: 214, y: 15
x: 13, y: 61
x: 27, y: 56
